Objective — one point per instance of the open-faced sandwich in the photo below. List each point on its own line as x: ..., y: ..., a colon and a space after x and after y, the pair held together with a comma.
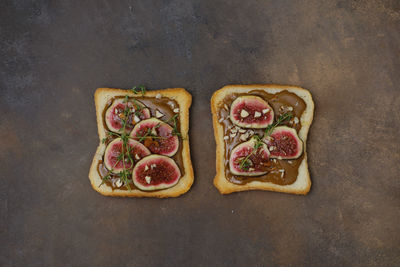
x: 144, y: 145
x: 261, y: 133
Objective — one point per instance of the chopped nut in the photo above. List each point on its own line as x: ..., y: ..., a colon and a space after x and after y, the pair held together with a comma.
x: 116, y: 111
x: 271, y: 148
x: 296, y: 120
x: 118, y: 183
x: 269, y: 138
x: 153, y: 166
x: 158, y: 96
x: 244, y: 137
x: 265, y: 110
x: 148, y: 179
x: 290, y: 108
x: 137, y: 156
x: 290, y: 162
x: 251, y: 169
x: 136, y: 119
x: 159, y: 114
x: 176, y: 110
x: 221, y: 119
x: 146, y: 168
x: 226, y: 107
x: 244, y: 113
x: 274, y: 160
x: 153, y: 131
x: 257, y: 114
x: 279, y: 157
x: 226, y: 137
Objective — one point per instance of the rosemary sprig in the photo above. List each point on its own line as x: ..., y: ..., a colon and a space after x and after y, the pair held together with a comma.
x: 139, y: 89
x: 282, y: 118
x: 175, y: 130
x: 246, y: 163
x: 148, y: 134
x: 124, y: 174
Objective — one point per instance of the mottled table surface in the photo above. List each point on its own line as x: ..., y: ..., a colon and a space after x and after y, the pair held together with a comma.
x: 54, y: 54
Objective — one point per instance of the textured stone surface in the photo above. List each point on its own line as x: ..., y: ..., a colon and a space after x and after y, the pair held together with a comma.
x: 53, y: 54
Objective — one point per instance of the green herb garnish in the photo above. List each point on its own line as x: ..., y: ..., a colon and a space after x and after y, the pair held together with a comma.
x: 282, y: 118
x: 175, y: 130
x: 246, y: 162
x: 139, y: 89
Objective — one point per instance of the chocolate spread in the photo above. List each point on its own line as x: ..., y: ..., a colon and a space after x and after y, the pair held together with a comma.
x: 278, y: 102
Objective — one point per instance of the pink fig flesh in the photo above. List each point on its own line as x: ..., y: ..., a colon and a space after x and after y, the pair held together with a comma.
x: 251, y: 112
x: 240, y: 163
x: 115, y: 114
x: 157, y: 136
x: 284, y: 143
x: 113, y: 155
x: 155, y: 172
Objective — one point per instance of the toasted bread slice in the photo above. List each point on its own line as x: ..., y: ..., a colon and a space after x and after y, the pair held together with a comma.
x: 184, y: 99
x: 303, y: 183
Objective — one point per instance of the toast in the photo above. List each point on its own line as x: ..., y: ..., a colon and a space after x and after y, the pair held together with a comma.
x: 302, y: 182
x: 103, y: 98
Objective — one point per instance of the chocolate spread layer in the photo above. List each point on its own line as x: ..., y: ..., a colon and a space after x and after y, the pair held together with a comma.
x: 279, y: 103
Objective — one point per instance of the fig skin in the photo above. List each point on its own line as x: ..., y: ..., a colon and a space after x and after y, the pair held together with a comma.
x: 113, y: 150
x: 290, y: 147
x: 251, y: 104
x: 114, y: 121
x: 162, y: 172
x: 259, y: 159
x: 167, y: 145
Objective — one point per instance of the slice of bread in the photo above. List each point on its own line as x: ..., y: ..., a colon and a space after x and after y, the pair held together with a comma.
x: 303, y: 183
x: 184, y: 100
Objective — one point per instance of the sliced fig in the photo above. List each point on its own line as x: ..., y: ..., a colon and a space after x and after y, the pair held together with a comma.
x: 246, y: 160
x: 155, y: 172
x: 284, y: 143
x: 115, y: 114
x: 113, y: 154
x: 251, y: 112
x: 157, y: 136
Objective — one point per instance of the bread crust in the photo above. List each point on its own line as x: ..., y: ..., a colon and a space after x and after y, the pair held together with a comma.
x: 302, y: 184
x: 184, y: 99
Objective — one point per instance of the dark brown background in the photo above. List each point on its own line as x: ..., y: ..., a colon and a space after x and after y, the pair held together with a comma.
x: 55, y: 53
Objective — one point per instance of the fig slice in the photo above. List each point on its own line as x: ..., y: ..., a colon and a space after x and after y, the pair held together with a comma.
x: 284, y: 143
x: 155, y: 172
x: 251, y: 112
x: 113, y: 154
x: 157, y: 136
x: 245, y: 160
x: 115, y: 114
